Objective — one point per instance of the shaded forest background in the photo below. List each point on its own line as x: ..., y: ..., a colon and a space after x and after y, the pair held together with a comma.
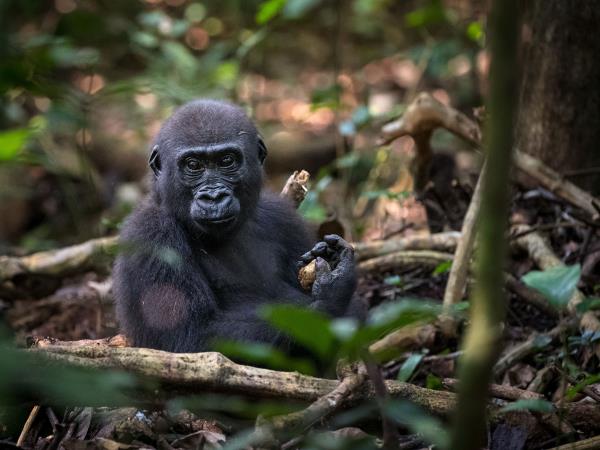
x: 84, y: 87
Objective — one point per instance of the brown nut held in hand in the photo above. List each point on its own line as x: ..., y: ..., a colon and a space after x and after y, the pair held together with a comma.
x: 307, y: 275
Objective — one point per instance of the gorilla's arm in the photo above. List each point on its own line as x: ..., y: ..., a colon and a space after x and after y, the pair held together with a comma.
x: 332, y: 292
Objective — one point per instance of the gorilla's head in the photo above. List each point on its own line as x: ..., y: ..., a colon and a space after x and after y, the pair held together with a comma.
x: 207, y: 160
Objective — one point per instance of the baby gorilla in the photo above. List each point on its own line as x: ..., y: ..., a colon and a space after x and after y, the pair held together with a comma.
x: 208, y: 246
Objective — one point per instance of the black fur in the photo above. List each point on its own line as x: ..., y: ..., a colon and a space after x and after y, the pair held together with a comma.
x: 208, y: 246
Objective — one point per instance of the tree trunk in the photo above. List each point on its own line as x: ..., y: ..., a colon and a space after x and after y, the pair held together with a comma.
x: 560, y: 101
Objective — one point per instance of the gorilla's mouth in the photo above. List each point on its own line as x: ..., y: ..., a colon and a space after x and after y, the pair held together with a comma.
x: 220, y: 220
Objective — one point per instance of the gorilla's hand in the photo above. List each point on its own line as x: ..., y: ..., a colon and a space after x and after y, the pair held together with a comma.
x: 335, y: 274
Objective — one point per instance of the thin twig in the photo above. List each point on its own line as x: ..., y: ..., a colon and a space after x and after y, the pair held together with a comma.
x: 30, y: 419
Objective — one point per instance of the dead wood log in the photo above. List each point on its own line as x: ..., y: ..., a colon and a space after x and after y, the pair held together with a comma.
x: 76, y: 258
x: 442, y: 242
x: 211, y: 371
x: 409, y: 258
x: 271, y: 432
x: 425, y: 113
x: 422, y: 116
x: 196, y: 373
x: 498, y: 390
x: 556, y: 184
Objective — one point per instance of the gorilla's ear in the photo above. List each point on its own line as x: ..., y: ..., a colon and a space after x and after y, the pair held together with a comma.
x: 154, y: 161
x: 262, y: 150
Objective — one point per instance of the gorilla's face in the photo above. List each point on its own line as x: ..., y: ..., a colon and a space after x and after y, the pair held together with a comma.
x: 208, y: 163
x: 213, y: 176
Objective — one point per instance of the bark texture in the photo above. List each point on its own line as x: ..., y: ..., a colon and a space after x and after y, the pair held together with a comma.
x: 559, y: 101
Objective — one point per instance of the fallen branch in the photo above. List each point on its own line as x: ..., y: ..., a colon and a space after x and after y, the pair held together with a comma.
x: 442, y: 242
x: 457, y: 279
x: 409, y: 258
x: 498, y: 390
x: 405, y: 338
x: 195, y: 373
x: 531, y: 296
x: 542, y: 254
x: 556, y: 184
x: 76, y: 258
x: 198, y: 372
x: 587, y: 444
x: 271, y: 432
x: 426, y: 113
x: 535, y: 342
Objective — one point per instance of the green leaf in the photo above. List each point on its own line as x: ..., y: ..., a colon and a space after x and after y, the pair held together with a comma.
x: 442, y: 268
x: 418, y: 421
x: 401, y: 313
x: 308, y: 327
x: 588, y: 304
x: 393, y: 280
x: 294, y: 9
x: 269, y: 9
x: 573, y: 391
x: 530, y: 404
x: 433, y: 382
x: 556, y: 284
x: 345, y: 328
x: 327, y: 97
x: 386, y: 318
x: 431, y: 14
x: 180, y: 56
x: 12, y: 142
x: 475, y: 32
x: 264, y: 355
x: 409, y: 366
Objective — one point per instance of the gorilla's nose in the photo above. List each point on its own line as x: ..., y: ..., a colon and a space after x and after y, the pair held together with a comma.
x: 213, y: 196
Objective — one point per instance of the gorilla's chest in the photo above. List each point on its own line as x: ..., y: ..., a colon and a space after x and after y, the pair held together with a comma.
x: 243, y: 273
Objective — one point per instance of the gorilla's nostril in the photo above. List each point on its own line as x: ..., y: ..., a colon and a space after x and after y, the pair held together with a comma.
x: 214, y: 196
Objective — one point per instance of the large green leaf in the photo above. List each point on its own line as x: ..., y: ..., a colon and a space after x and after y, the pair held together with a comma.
x: 11, y: 142
x: 308, y: 327
x: 556, y: 284
x: 269, y: 9
x: 409, y: 366
x: 385, y: 318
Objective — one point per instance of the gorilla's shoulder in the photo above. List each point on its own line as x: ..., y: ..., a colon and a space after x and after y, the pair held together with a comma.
x: 272, y: 209
x: 276, y: 218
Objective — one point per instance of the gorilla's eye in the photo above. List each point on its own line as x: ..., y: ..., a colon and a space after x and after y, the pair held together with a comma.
x: 193, y: 165
x: 227, y: 161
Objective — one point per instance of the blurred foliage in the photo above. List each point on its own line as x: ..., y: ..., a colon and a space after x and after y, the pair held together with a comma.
x: 29, y: 378
x: 84, y: 84
x: 557, y: 284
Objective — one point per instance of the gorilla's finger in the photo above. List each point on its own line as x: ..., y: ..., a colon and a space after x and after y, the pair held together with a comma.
x: 320, y: 249
x: 307, y: 257
x: 336, y: 241
x: 322, y: 267
x: 332, y: 239
x: 346, y: 262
